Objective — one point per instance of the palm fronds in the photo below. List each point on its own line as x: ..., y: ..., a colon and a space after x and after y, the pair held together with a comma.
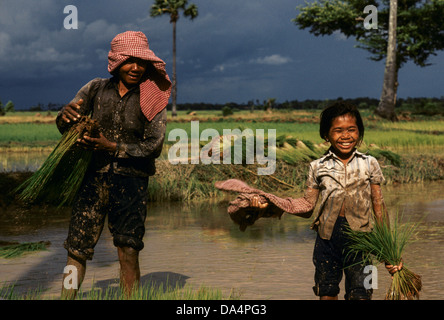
x: 60, y: 176
x: 386, y: 243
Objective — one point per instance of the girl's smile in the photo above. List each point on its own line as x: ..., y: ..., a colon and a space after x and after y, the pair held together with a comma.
x: 344, y: 136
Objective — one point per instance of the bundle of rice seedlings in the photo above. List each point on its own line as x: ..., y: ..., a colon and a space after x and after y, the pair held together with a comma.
x: 60, y: 176
x: 386, y: 243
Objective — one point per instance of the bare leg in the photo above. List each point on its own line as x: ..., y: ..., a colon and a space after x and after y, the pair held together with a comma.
x: 129, y: 269
x: 69, y: 291
x: 328, y: 298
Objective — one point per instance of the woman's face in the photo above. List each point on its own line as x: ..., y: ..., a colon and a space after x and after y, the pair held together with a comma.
x: 132, y: 70
x: 344, y: 135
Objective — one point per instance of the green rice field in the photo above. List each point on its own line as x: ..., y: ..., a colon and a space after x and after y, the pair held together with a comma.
x: 420, y: 136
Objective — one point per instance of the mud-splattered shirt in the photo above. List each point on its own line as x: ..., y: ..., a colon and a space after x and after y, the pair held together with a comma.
x: 139, y: 141
x: 338, y: 184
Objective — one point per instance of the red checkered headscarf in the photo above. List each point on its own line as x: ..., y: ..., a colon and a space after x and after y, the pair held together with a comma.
x: 155, y: 88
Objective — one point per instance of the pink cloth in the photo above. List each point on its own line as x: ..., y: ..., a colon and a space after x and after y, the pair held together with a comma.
x: 155, y: 88
x: 244, y: 215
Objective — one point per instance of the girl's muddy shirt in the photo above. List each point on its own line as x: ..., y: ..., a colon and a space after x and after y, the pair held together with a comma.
x: 348, y: 184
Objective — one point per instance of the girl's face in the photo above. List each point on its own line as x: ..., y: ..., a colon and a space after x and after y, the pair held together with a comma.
x: 344, y: 135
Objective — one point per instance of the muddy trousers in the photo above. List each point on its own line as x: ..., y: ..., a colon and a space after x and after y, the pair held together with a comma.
x: 332, y: 262
x: 123, y: 199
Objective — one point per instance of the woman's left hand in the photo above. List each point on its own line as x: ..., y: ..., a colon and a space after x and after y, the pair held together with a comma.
x: 100, y: 143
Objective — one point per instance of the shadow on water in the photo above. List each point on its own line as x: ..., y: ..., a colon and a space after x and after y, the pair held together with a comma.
x: 37, y: 270
x: 41, y: 271
x: 163, y: 281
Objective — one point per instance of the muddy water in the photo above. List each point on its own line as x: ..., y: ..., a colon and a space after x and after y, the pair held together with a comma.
x: 22, y: 161
x: 197, y: 244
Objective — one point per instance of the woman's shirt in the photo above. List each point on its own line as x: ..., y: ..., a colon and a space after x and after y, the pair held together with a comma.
x: 340, y: 184
x: 121, y: 120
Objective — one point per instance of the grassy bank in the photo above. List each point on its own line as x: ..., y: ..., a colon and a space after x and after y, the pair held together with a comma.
x: 194, y: 182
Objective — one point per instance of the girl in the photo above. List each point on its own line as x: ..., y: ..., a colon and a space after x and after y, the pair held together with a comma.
x: 346, y: 183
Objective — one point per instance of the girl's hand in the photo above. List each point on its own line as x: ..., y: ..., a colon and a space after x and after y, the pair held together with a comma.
x: 256, y: 203
x: 100, y: 143
x: 393, y: 269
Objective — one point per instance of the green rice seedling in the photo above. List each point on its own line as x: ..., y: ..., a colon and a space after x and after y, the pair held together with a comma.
x: 8, y: 292
x: 386, y: 243
x: 60, y: 176
x: 293, y: 150
x: 150, y: 291
x: 14, y: 250
x: 392, y: 157
x: 146, y: 291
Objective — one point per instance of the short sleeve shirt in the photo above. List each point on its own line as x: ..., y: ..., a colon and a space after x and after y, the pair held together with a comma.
x: 338, y: 184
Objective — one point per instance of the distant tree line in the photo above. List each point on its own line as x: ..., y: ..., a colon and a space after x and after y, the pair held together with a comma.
x: 47, y: 107
x: 424, y: 106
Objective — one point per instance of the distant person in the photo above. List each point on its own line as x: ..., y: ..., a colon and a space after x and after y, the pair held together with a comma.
x: 347, y: 184
x: 130, y: 108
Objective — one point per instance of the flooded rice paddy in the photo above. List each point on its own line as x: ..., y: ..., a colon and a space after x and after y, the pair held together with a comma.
x: 22, y: 161
x: 197, y: 244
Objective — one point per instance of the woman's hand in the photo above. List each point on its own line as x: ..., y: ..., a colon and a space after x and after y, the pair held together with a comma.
x: 100, y: 143
x: 70, y: 112
x: 256, y: 203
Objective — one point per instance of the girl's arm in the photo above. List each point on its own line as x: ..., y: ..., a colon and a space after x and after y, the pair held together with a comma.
x: 379, y: 208
x: 306, y: 204
x: 302, y: 207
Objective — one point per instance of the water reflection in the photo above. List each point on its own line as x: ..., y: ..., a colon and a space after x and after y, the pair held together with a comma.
x: 212, y: 217
x: 22, y: 161
x: 198, y: 242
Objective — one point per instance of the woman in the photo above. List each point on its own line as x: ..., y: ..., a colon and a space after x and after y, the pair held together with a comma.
x: 130, y: 108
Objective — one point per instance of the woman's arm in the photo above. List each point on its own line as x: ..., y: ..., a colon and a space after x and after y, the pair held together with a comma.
x: 152, y: 142
x: 80, y: 105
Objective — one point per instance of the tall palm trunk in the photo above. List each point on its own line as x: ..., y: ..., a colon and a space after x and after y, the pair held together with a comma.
x: 174, y: 93
x: 386, y: 107
x: 172, y: 8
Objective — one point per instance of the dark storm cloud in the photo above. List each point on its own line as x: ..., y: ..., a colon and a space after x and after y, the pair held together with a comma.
x: 233, y: 51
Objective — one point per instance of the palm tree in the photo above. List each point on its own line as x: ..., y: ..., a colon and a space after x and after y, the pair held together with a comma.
x: 172, y: 8
x: 386, y: 107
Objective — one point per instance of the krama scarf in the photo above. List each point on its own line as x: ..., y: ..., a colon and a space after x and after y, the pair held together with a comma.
x: 155, y: 88
x: 244, y: 215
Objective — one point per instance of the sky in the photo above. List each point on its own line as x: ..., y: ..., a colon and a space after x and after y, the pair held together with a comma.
x: 234, y: 51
